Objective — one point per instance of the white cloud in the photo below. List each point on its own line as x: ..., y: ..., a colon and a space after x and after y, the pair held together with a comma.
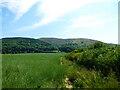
x: 88, y: 21
x: 18, y: 7
x: 54, y: 9
x: 51, y: 10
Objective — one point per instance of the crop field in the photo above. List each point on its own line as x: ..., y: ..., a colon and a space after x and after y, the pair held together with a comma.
x: 52, y: 70
x: 40, y: 70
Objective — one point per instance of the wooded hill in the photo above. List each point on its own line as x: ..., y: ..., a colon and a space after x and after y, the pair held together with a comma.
x: 58, y: 41
x: 42, y: 45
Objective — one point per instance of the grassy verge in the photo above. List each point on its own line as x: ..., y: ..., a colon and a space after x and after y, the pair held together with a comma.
x: 80, y: 77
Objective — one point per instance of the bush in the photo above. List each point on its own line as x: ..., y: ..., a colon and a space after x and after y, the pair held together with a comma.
x: 100, y: 57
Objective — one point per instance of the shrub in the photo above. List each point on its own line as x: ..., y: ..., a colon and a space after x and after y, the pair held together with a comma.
x: 101, y: 57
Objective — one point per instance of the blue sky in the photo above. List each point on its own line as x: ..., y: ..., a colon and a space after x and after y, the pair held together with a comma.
x: 93, y: 19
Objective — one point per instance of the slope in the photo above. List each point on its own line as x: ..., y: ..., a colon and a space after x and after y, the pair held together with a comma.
x: 24, y: 45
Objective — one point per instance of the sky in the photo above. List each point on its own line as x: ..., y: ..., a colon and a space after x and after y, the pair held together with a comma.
x: 93, y: 19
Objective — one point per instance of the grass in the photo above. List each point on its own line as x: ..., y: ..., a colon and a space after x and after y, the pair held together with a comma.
x: 33, y: 70
x: 80, y: 77
x: 49, y: 70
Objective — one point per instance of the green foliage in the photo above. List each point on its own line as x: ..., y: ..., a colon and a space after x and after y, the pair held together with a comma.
x: 98, y: 56
x: 93, y: 79
x: 29, y: 45
x: 77, y: 41
x: 97, y: 45
x: 66, y: 48
x: 80, y: 77
x: 25, y: 45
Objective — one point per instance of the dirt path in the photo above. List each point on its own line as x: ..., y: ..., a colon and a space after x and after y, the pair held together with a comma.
x: 68, y: 84
x: 61, y: 60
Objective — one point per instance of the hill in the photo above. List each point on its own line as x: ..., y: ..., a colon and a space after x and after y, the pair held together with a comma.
x: 25, y: 45
x: 41, y: 45
x: 58, y: 41
x: 67, y: 45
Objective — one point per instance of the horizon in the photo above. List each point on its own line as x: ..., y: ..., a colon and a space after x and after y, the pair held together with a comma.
x: 56, y: 38
x: 93, y: 19
x: 48, y: 37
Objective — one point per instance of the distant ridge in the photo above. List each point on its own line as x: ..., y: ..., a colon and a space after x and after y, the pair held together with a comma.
x: 42, y: 45
x: 60, y: 41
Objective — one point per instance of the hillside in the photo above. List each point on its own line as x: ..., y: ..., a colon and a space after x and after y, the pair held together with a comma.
x: 30, y: 45
x: 25, y: 45
x: 67, y: 45
x: 58, y: 41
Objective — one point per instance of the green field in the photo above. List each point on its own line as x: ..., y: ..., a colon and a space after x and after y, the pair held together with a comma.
x: 32, y: 70
x: 51, y: 70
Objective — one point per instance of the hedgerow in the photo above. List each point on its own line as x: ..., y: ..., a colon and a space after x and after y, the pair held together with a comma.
x: 98, y: 56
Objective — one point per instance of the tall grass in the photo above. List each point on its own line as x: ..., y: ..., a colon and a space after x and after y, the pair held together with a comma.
x: 49, y: 70
x: 33, y: 70
x: 81, y: 77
